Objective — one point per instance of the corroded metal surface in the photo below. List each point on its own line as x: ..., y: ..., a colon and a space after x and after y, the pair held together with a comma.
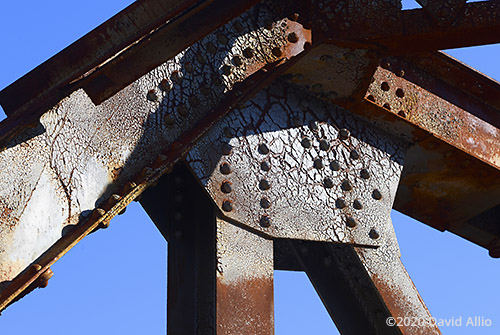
x: 294, y: 167
x: 80, y: 161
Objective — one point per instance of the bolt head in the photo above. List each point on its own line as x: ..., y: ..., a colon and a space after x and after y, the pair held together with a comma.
x: 264, y: 185
x: 265, y: 166
x: 265, y: 221
x: 265, y: 203
x: 335, y: 165
x: 318, y: 163
x: 357, y: 204
x: 263, y: 149
x: 306, y: 142
x: 340, y: 203
x: 344, y: 134
x: 346, y: 185
x: 227, y: 206
x: 351, y: 222
x: 327, y: 182
x: 364, y: 173
x: 225, y: 168
x: 373, y: 234
x: 376, y: 194
x: 226, y: 187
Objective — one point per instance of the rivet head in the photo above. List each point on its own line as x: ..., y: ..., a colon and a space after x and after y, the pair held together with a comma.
x: 176, y: 76
x: 228, y: 132
x: 265, y: 203
x: 226, y: 69
x: 237, y: 61
x: 351, y: 222
x: 182, y: 110
x: 385, y: 86
x: 211, y: 48
x: 402, y: 114
x: 318, y: 163
x: 357, y: 204
x: 222, y: 38
x: 166, y: 85
x: 293, y: 38
x: 248, y: 53
x: 169, y: 120
x: 226, y: 187
x: 343, y: 134
x: 354, y: 154
x: 373, y: 234
x: 238, y: 26
x: 324, y: 145
x: 297, y: 122
x: 335, y: 165
x: 263, y: 149
x: 227, y: 206
x: 227, y: 149
x: 293, y: 17
x: 346, y: 185
x: 189, y: 67
x: 194, y: 101
x: 327, y: 182
x: 400, y: 93
x: 225, y: 168
x: 387, y: 106
x: 376, y: 194
x: 152, y: 96
x: 340, y: 203
x: 265, y: 166
x: 264, y: 184
x: 200, y: 58
x: 268, y: 24
x: 276, y: 51
x: 365, y: 174
x: 313, y: 125
x: 265, y: 221
x: 306, y: 142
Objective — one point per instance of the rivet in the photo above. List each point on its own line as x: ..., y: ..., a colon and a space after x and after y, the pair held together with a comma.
x: 43, y: 279
x: 182, y: 110
x: 400, y: 93
x: 318, y: 163
x: 376, y: 194
x: 324, y: 145
x: 357, y: 204
x: 265, y: 166
x: 226, y: 69
x: 169, y: 120
x: 178, y: 216
x: 226, y: 187
x: 177, y: 76
x: 189, y: 67
x: 194, y: 101
x: 264, y: 184
x: 200, y: 58
x: 248, y: 53
x: 387, y: 106
x: 263, y: 149
x: 335, y: 165
x: 306, y: 142
x: 343, y: 134
x: 346, y: 185
x: 227, y: 206
x: 238, y: 26
x: 98, y: 212
x: 373, y: 234
x: 400, y: 73
x: 307, y: 45
x: 211, y: 48
x: 205, y: 90
x: 277, y: 52
x: 265, y: 221
x: 227, y: 149
x: 364, y: 173
x: 228, y: 132
x: 313, y: 125
x: 293, y: 17
x: 217, y: 81
x: 237, y: 61
x: 225, y: 168
x: 293, y: 38
x: 351, y: 222
x: 371, y: 98
x: 327, y: 182
x: 385, y: 86
x: 354, y: 154
x: 265, y: 203
x: 222, y: 38
x: 402, y: 114
x: 166, y: 85
x: 340, y: 203
x: 152, y: 96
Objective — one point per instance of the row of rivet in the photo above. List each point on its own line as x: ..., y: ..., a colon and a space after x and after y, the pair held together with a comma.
x: 264, y: 185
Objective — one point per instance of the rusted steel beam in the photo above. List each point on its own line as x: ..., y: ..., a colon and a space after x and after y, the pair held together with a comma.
x: 361, y: 288
x: 475, y: 23
x: 137, y: 184
x: 220, y: 276
x: 161, y: 29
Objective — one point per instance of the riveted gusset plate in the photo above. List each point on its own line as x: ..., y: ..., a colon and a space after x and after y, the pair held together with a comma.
x: 294, y: 167
x: 82, y: 156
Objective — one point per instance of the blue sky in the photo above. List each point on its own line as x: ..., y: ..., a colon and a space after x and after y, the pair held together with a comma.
x: 114, y: 282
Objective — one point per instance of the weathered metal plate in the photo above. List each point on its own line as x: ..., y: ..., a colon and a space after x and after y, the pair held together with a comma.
x: 292, y: 166
x: 80, y: 156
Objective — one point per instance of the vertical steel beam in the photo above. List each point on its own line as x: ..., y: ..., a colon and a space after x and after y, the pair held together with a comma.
x: 220, y: 276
